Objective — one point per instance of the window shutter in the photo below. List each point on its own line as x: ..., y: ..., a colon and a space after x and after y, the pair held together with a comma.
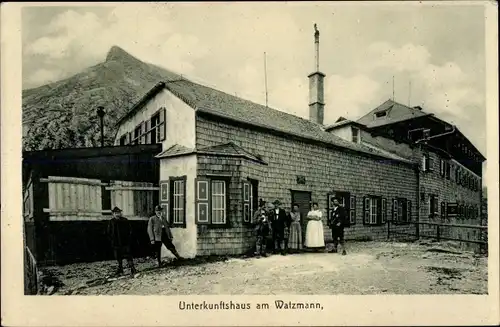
x: 379, y: 211
x: 384, y: 210
x: 163, y: 124
x: 202, y: 201
x: 442, y: 210
x: 408, y: 210
x: 148, y: 131
x: 424, y: 163
x: 395, y: 217
x: 129, y: 137
x: 441, y: 167
x: 164, y: 197
x: 366, y: 210
x: 142, y: 139
x: 247, y: 214
x: 430, y: 163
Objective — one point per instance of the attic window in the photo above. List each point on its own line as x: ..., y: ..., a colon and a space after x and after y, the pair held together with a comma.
x: 380, y: 114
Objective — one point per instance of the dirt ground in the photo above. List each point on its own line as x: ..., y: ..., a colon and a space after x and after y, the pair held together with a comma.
x: 369, y: 268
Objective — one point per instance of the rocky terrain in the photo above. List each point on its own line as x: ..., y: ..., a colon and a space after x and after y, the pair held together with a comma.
x: 63, y: 114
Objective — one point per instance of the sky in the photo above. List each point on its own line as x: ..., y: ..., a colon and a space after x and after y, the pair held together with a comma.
x: 436, y: 54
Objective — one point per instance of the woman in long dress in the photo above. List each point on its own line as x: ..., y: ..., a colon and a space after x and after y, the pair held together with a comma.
x: 315, y: 238
x: 295, y: 235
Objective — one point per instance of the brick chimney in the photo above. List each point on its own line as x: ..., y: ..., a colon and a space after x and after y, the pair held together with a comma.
x: 316, y: 86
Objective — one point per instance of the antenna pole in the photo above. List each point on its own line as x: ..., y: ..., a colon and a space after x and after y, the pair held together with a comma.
x: 392, y: 87
x: 265, y: 75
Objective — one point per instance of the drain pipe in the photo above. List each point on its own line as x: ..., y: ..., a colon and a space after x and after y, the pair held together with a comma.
x: 439, y: 135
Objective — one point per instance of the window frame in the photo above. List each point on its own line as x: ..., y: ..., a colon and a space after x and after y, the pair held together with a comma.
x: 208, y: 201
x: 367, y: 209
x: 171, y: 195
x: 401, y: 211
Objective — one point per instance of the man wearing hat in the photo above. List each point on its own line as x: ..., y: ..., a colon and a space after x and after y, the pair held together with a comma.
x: 159, y: 233
x: 120, y: 233
x: 262, y: 229
x: 338, y: 221
x: 279, y: 221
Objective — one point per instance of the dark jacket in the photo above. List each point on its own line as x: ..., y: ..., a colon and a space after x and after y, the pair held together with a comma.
x: 339, y: 216
x: 262, y: 228
x: 120, y: 232
x: 279, y: 221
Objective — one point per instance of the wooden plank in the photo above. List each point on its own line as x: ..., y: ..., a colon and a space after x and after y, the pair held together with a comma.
x: 52, y: 196
x: 98, y: 191
x: 80, y: 189
x: 72, y: 180
x: 133, y: 188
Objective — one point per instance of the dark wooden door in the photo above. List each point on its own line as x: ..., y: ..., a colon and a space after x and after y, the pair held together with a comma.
x: 303, y: 199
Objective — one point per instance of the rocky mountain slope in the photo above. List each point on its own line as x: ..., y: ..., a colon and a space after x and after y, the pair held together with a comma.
x: 63, y: 114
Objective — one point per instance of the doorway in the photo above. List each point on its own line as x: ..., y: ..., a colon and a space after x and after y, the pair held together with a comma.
x: 303, y: 199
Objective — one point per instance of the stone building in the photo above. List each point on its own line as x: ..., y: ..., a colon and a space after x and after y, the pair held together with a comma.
x: 221, y: 153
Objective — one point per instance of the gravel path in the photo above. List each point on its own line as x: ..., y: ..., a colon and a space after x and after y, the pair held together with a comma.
x: 369, y: 268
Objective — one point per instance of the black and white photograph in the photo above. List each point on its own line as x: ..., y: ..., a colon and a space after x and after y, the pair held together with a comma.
x: 252, y: 148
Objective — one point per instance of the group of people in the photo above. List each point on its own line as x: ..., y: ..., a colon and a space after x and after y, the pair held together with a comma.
x: 279, y: 231
x: 120, y: 234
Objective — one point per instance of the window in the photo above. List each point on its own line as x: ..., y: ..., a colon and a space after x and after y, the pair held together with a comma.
x: 212, y: 201
x: 137, y: 135
x: 426, y: 134
x: 355, y: 135
x: 178, y: 194
x: 448, y: 170
x: 156, y: 128
x: 380, y: 114
x: 250, y: 199
x: 433, y: 206
x: 443, y: 210
x: 123, y: 140
x: 372, y: 208
x: 352, y: 210
x: 427, y: 162
x: 442, y: 167
x: 347, y: 201
x: 401, y: 210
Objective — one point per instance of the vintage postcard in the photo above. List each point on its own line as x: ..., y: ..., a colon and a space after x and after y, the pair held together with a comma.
x: 250, y: 163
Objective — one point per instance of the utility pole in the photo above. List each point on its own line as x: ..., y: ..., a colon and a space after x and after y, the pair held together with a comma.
x: 265, y: 76
x: 101, y: 113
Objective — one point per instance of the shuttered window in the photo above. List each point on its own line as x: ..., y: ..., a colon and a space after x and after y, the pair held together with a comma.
x: 247, y: 202
x: 212, y: 201
x: 177, y: 201
x: 202, y: 201
x: 372, y: 210
x: 401, y: 210
x: 352, y: 209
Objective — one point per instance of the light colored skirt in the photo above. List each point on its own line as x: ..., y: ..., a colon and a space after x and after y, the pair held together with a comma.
x: 295, y: 237
x: 314, y: 234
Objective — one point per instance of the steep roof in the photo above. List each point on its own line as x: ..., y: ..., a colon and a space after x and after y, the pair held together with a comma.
x: 396, y: 112
x: 175, y: 151
x: 214, y: 102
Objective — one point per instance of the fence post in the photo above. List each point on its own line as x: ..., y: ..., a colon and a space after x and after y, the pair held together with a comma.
x: 438, y: 236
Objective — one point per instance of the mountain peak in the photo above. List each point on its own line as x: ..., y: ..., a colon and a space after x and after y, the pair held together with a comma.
x: 118, y: 54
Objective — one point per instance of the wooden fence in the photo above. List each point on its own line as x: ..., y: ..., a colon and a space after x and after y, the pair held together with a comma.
x: 440, y: 232
x: 72, y: 198
x: 30, y: 273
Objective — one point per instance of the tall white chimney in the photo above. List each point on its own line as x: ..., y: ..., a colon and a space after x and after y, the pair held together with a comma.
x: 316, y: 86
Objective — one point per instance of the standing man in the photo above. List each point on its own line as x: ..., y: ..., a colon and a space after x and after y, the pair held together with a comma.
x: 262, y: 229
x: 338, y: 220
x: 159, y: 233
x: 120, y: 234
x: 279, y: 220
